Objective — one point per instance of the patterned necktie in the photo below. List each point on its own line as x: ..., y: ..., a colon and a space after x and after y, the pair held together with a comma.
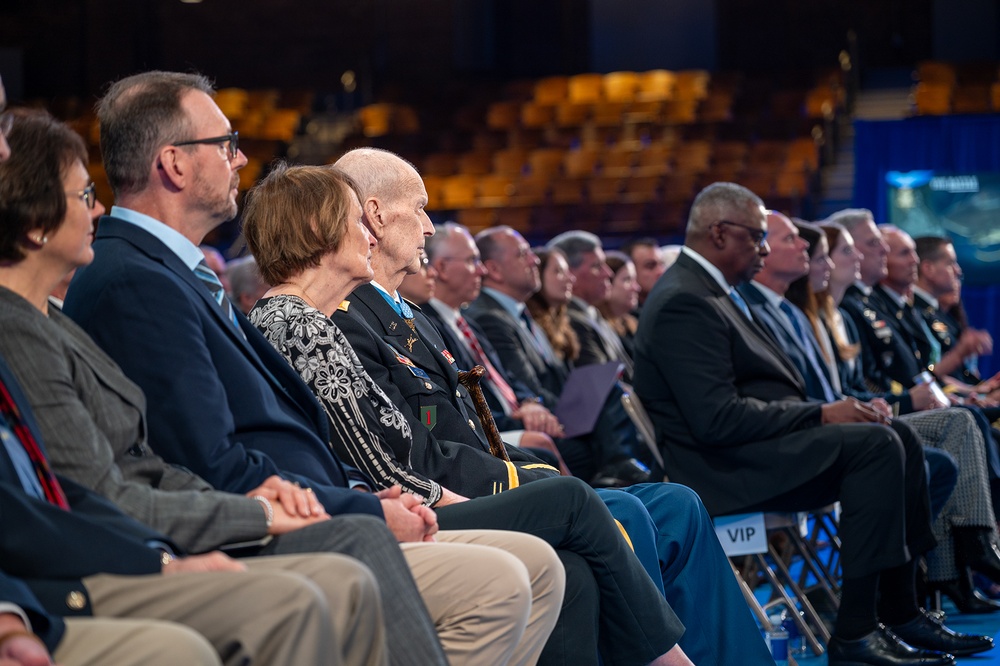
x: 211, y: 281
x: 401, y: 308
x: 46, y: 479
x: 740, y: 303
x: 404, y: 309
x: 496, y: 379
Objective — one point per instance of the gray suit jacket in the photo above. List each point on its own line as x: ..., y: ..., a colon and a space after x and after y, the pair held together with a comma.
x: 93, y: 422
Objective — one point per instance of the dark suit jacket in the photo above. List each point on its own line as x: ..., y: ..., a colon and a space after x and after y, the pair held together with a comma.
x: 593, y: 351
x: 517, y: 350
x: 887, y: 349
x: 729, y: 408
x: 906, y: 321
x: 52, y: 549
x: 947, y: 332
x: 226, y: 406
x: 49, y: 628
x: 852, y: 378
x: 774, y: 322
x: 414, y: 368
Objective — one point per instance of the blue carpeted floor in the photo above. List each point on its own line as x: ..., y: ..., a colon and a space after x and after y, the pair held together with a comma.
x: 988, y: 625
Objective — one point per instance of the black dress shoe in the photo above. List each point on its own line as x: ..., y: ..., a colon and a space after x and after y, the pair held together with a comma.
x: 621, y: 474
x: 881, y: 648
x: 975, y: 549
x: 923, y: 632
x: 965, y: 597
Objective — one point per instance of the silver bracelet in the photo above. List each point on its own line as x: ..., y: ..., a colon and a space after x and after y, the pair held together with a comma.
x: 268, y: 508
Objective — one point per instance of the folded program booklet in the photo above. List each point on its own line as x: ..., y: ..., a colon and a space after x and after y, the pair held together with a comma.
x: 586, y: 390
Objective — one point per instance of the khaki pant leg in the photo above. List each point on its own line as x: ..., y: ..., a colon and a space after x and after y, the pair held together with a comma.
x: 256, y: 617
x: 547, y: 577
x: 100, y: 642
x: 478, y: 597
x: 353, y: 599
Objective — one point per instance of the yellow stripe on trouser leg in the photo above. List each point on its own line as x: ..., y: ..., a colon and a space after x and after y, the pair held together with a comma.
x: 625, y: 534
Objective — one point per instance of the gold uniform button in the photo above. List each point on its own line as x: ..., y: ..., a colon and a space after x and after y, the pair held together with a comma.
x: 76, y: 600
x: 427, y: 385
x: 471, y: 424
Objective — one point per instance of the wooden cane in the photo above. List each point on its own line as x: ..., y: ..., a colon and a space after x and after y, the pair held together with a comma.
x: 470, y: 380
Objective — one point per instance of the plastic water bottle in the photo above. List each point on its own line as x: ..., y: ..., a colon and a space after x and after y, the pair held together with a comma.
x: 777, y: 641
x: 796, y: 641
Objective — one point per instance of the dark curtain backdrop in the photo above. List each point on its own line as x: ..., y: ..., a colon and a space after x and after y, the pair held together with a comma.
x: 942, y: 143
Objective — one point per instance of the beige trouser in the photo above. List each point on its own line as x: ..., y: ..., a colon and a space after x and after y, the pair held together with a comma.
x: 287, y: 609
x: 490, y: 605
x: 100, y: 642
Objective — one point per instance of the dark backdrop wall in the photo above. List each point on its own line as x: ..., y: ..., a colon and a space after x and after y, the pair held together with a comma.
x: 643, y: 35
x: 782, y: 33
x: 74, y: 47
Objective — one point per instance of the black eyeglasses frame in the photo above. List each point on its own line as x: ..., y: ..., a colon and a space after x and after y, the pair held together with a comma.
x: 233, y: 138
x: 758, y: 236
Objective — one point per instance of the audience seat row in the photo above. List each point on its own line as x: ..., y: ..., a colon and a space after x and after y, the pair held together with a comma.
x: 943, y: 88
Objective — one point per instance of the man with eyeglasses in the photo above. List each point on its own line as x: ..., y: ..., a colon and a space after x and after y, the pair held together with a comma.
x: 606, y: 456
x: 223, y: 404
x: 80, y: 579
x: 733, y: 421
x: 459, y: 269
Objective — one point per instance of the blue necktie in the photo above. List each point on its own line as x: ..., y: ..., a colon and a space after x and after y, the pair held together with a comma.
x: 211, y: 281
x: 786, y: 307
x: 807, y: 347
x: 740, y: 303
